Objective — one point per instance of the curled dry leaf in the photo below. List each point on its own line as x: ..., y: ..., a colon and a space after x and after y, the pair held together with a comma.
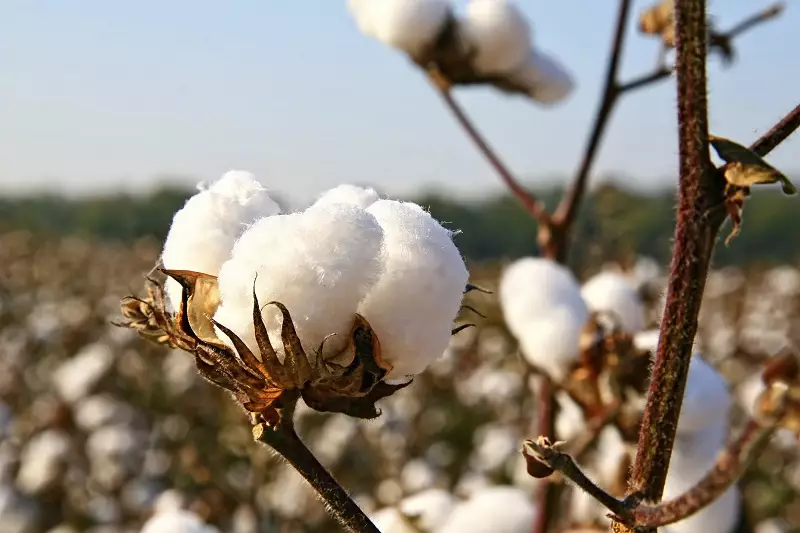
x: 746, y: 168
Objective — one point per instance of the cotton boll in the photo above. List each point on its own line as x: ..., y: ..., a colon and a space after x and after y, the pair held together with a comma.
x: 204, y: 229
x: 552, y: 341
x: 610, y: 292
x: 429, y: 509
x: 177, y: 521
x: 706, y: 399
x: 493, y: 510
x: 544, y: 78
x: 407, y: 25
x: 532, y: 286
x: 419, y: 293
x: 391, y: 520
x: 349, y: 194
x: 570, y: 421
x: 318, y: 263
x: 500, y: 34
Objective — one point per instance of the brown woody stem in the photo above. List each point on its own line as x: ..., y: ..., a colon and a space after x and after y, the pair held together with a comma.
x: 778, y: 133
x: 548, y: 494
x: 285, y: 441
x: 699, y: 190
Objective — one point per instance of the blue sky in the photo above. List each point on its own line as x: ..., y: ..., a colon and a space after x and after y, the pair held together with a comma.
x: 98, y: 96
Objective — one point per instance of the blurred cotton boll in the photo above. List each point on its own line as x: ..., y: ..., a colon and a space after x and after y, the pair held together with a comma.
x: 611, y: 292
x: 349, y: 194
x: 545, y: 79
x: 407, y: 25
x: 706, y: 399
x: 414, y: 303
x: 318, y: 263
x: 204, y: 230
x: 543, y: 307
x: 492, y: 510
x: 176, y: 521
x: 500, y: 34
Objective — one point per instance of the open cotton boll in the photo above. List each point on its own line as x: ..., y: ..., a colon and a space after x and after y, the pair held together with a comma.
x: 349, y: 194
x: 611, y: 292
x: 532, y: 286
x: 544, y: 78
x: 318, y: 263
x: 407, y: 25
x: 429, y: 509
x: 500, y: 34
x: 414, y: 303
x: 551, y: 341
x: 706, y: 399
x: 204, y: 229
x: 498, y: 509
x: 177, y: 521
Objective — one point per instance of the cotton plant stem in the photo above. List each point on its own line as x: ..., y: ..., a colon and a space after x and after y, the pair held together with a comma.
x: 695, y: 234
x: 284, y: 441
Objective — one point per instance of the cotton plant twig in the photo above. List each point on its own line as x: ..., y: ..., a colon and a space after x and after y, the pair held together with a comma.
x: 548, y: 494
x: 285, y: 441
x: 632, y: 511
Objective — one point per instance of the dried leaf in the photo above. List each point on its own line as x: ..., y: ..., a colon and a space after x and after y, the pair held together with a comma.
x: 201, y: 294
x: 746, y: 168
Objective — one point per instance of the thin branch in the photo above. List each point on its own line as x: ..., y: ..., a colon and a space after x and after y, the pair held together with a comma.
x: 532, y: 204
x: 658, y: 74
x: 754, y: 20
x: 778, y: 133
x: 568, y: 207
x: 695, y: 234
x: 285, y: 441
x: 730, y: 465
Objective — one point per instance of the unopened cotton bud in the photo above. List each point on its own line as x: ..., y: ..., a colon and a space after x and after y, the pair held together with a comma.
x: 499, y: 33
x: 544, y: 78
x: 498, y: 509
x: 414, y: 303
x: 204, y: 229
x: 318, y: 263
x: 610, y: 292
x: 543, y: 308
x: 349, y: 194
x: 407, y: 25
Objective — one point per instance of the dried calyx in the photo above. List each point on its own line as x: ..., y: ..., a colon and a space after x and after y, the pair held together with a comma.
x: 264, y: 385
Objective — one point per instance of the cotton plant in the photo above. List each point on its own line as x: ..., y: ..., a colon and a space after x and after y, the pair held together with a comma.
x: 340, y: 304
x: 490, y: 43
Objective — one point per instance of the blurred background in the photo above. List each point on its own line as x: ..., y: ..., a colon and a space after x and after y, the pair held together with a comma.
x: 111, y: 113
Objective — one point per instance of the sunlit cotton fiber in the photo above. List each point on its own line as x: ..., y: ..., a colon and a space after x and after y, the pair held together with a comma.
x: 414, y: 303
x: 545, y: 79
x: 500, y: 34
x: 429, y: 508
x: 407, y: 25
x: 349, y: 194
x: 177, y: 521
x: 318, y: 263
x: 204, y: 230
x: 498, y: 509
x: 612, y: 293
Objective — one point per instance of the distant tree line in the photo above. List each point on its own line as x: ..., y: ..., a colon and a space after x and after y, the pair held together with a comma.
x: 614, y: 224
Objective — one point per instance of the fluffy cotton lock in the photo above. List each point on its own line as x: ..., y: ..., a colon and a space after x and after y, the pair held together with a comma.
x: 203, y: 231
x: 500, y: 34
x: 407, y: 25
x: 177, y: 521
x: 430, y: 508
x: 349, y: 194
x: 611, y: 292
x: 706, y: 399
x: 544, y: 78
x: 318, y: 263
x: 497, y: 509
x: 543, y: 308
x: 414, y: 303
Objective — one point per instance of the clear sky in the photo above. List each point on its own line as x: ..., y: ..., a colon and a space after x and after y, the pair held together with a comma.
x: 98, y: 95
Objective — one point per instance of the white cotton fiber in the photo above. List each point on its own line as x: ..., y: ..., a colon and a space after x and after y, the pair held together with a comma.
x: 611, y: 292
x: 177, y: 521
x: 429, y: 509
x: 544, y: 78
x: 407, y: 25
x: 204, y: 230
x: 318, y: 263
x: 706, y: 399
x: 349, y: 194
x: 414, y: 303
x: 500, y: 34
x: 543, y: 308
x: 498, y: 509
x: 391, y: 520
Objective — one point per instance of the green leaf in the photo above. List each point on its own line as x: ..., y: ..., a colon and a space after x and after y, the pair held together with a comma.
x: 746, y: 168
